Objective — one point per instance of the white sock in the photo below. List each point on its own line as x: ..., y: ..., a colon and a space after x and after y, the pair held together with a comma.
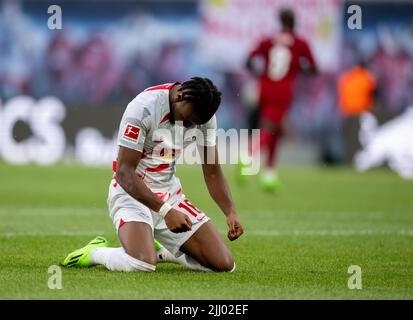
x: 116, y: 259
x: 165, y: 256
x: 191, y: 263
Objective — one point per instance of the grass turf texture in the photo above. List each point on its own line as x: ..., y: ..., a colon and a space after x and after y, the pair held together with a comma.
x: 298, y: 244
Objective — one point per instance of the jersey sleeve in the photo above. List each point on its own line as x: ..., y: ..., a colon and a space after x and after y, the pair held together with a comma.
x: 259, y: 50
x: 209, y: 133
x: 307, y: 54
x: 134, y: 126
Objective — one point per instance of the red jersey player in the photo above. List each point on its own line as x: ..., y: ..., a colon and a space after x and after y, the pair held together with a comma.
x: 277, y: 61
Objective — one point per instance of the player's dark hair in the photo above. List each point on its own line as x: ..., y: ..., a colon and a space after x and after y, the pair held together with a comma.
x: 287, y: 19
x: 205, y: 96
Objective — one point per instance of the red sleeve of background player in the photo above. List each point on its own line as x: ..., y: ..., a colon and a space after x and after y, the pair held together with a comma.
x: 306, y: 53
x: 259, y: 50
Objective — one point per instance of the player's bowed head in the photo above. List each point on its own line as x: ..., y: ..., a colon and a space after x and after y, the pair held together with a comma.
x: 194, y: 102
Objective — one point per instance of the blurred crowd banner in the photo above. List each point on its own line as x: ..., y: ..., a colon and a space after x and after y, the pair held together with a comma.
x: 231, y: 28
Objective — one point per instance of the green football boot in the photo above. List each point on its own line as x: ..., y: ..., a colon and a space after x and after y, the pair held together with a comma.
x: 80, y: 258
x: 157, y: 245
x: 270, y: 182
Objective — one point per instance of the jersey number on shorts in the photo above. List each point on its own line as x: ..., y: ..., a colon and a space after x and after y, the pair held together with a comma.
x: 279, y: 62
x: 191, y: 209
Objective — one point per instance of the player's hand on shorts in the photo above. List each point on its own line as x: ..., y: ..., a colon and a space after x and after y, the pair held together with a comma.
x: 235, y: 226
x: 177, y: 221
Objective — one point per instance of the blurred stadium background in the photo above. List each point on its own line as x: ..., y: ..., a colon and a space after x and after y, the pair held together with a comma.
x: 62, y: 93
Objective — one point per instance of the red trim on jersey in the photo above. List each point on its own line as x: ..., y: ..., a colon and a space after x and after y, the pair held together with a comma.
x: 179, y: 191
x: 161, y: 167
x: 165, y: 86
x: 160, y: 195
x: 164, y: 119
x: 121, y: 223
x: 114, y: 163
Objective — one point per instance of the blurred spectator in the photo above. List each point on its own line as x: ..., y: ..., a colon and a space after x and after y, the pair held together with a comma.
x: 393, y: 67
x: 59, y: 63
x: 96, y: 68
x: 15, y: 50
x: 356, y: 88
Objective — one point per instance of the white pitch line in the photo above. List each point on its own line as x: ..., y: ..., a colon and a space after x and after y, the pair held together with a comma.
x: 340, y: 233
x: 103, y: 211
x: 44, y: 211
x: 11, y: 234
x: 265, y: 233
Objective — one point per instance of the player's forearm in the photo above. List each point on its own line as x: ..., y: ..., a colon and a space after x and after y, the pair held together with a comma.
x: 311, y: 70
x: 248, y: 64
x: 128, y: 180
x: 251, y: 67
x: 219, y: 190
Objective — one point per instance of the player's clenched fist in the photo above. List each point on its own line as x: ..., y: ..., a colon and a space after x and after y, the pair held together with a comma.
x: 235, y: 229
x: 177, y: 221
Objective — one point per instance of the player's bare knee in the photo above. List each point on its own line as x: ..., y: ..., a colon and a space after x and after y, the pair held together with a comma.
x: 228, y: 264
x: 224, y: 264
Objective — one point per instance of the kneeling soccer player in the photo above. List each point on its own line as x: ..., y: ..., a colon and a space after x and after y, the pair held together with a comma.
x: 145, y: 197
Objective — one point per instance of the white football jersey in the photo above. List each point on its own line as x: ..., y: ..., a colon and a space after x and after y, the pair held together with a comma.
x: 145, y: 127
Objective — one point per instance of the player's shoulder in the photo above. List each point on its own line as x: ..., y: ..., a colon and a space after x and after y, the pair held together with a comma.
x: 266, y: 42
x: 149, y: 101
x: 300, y: 40
x: 149, y: 98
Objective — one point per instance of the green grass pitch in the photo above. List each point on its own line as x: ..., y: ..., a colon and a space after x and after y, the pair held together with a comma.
x: 297, y: 244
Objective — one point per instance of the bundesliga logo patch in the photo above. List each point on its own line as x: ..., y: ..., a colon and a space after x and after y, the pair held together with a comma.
x: 131, y: 132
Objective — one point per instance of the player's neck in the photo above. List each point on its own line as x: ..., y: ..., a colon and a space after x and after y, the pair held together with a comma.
x: 172, y: 98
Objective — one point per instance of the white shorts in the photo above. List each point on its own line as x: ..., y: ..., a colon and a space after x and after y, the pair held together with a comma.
x: 124, y: 208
